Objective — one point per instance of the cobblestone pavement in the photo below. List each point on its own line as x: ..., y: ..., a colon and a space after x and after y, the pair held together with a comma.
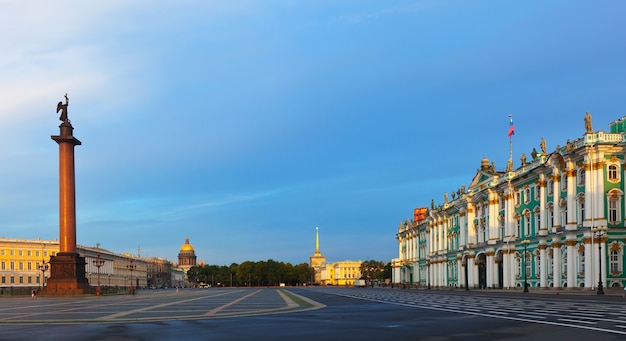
x: 152, y: 305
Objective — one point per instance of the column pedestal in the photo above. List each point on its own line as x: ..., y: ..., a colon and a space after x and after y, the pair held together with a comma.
x: 67, y: 275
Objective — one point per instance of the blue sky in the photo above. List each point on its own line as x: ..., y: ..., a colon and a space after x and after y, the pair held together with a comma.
x: 246, y: 124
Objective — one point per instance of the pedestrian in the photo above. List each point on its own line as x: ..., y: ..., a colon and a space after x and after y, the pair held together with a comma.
x: 33, y: 294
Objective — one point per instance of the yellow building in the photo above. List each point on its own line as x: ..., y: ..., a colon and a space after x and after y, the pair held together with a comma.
x: 24, y: 264
x: 341, y: 273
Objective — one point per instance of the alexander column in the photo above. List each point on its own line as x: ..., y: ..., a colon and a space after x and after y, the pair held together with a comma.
x: 67, y: 268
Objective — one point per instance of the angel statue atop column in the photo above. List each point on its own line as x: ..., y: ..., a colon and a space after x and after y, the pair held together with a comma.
x: 63, y: 109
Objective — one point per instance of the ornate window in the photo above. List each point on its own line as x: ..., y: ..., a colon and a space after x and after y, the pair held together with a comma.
x: 518, y: 265
x: 580, y: 214
x: 537, y: 190
x: 580, y: 176
x: 564, y: 182
x: 613, y: 173
x: 528, y: 264
x: 615, y: 204
x: 537, y: 219
x: 526, y: 223
x: 550, y: 187
x: 616, y: 264
x: 550, y: 212
x: 550, y: 263
x: 581, y: 260
x: 518, y: 225
x: 537, y: 259
x: 527, y: 195
x: 518, y: 199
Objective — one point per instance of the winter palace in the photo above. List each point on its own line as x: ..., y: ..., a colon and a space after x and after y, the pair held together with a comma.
x: 554, y: 221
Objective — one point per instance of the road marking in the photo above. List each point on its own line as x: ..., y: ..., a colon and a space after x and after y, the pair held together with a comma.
x: 216, y: 310
x: 126, y: 313
x: 577, y: 321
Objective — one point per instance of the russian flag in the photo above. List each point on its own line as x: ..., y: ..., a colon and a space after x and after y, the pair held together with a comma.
x: 511, y: 128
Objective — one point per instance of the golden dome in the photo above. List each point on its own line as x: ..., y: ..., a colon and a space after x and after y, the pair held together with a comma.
x: 186, y: 246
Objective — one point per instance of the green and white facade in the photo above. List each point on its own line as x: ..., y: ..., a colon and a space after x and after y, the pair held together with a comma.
x: 552, y: 208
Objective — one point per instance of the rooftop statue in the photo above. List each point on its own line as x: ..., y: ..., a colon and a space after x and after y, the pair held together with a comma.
x: 588, y: 125
x: 63, y: 109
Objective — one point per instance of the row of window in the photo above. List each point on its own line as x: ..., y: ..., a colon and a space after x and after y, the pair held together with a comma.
x: 615, y: 263
x: 20, y: 265
x: 28, y: 253
x: 29, y: 280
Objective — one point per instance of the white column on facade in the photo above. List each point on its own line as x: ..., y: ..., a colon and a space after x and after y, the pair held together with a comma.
x: 506, y: 268
x: 489, y: 259
x: 570, y: 224
x: 543, y: 264
x: 571, y: 263
x: 459, y: 270
x: 438, y: 275
x: 471, y: 232
x: 542, y: 206
x: 413, y: 248
x: 598, y: 192
x: 463, y: 229
x: 492, y: 223
x: 588, y: 260
x: 470, y: 270
x: 442, y: 234
x: 557, y: 198
x: 429, y: 242
x: 589, y: 193
x: 556, y: 260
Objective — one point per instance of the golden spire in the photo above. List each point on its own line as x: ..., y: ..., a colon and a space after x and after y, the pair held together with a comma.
x: 317, y: 240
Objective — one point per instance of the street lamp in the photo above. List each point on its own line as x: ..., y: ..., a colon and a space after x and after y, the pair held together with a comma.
x: 43, y: 267
x: 525, y: 242
x: 466, y: 271
x: 131, y: 267
x: 98, y: 262
x: 600, y: 232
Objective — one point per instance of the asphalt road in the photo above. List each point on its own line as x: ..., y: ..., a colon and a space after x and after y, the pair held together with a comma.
x: 313, y: 314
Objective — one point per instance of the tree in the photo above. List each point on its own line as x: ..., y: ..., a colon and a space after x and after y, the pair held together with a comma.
x: 372, y: 269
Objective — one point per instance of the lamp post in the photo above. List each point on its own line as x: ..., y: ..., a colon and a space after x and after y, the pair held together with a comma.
x: 43, y: 267
x: 525, y: 242
x: 600, y: 232
x: 130, y: 268
x: 466, y: 271
x: 98, y: 262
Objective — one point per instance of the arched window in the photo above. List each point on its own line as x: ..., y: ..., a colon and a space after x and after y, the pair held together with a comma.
x: 527, y: 223
x: 616, y: 264
x: 613, y: 173
x: 581, y: 176
x: 550, y: 187
x: 580, y: 214
x: 537, y: 219
x: 615, y: 205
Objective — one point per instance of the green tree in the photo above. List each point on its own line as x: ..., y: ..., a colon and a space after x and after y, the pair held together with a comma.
x: 372, y: 269
x: 304, y: 273
x: 244, y: 273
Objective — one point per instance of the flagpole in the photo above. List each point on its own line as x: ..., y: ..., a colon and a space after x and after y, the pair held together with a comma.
x: 511, y: 141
